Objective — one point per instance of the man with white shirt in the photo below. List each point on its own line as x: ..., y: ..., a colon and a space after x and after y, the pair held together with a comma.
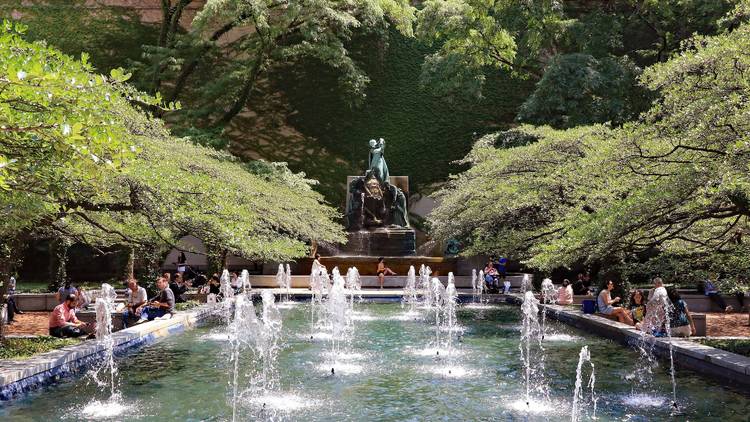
x: 136, y: 298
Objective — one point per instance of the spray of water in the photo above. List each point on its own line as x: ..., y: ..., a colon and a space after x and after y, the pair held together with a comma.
x: 244, y: 282
x: 549, y: 296
x: 105, y: 375
x: 353, y: 285
x: 450, y: 303
x: 436, y: 306
x: 531, y: 349
x: 656, y: 323
x: 578, y: 394
x: 410, y: 289
x: 259, y: 337
x: 287, y: 283
x: 338, y: 314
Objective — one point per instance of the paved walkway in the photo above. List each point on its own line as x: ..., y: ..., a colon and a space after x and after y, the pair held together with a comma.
x: 730, y: 325
x: 29, y: 323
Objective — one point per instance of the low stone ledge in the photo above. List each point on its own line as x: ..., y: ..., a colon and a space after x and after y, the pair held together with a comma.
x: 20, y: 376
x: 730, y: 368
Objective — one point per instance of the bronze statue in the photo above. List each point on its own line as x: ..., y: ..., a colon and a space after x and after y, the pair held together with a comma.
x: 373, y: 200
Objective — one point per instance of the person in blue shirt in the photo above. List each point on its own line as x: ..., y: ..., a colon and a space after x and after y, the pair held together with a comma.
x: 710, y: 290
x: 501, y: 267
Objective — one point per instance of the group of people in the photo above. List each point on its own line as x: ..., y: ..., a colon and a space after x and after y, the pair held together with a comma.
x: 140, y: 309
x: 137, y: 308
x: 639, y: 314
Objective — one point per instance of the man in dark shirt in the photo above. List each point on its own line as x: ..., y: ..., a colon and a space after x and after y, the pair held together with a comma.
x: 161, y: 305
x: 581, y: 286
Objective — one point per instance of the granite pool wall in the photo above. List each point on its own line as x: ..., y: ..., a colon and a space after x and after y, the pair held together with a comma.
x: 20, y: 376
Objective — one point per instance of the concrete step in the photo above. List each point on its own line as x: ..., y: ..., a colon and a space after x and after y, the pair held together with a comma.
x: 397, y: 281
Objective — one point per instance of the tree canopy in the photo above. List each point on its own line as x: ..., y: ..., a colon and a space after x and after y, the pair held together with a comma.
x: 584, y: 58
x: 82, y: 160
x: 674, y: 181
x: 232, y: 45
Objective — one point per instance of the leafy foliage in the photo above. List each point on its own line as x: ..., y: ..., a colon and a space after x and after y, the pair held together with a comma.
x: 24, y: 348
x: 581, y: 89
x: 60, y: 126
x: 425, y: 134
x: 583, y: 58
x: 92, y: 168
x: 260, y: 36
x: 674, y: 181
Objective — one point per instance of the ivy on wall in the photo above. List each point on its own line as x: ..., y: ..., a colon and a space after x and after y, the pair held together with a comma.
x: 111, y: 35
x: 424, y: 133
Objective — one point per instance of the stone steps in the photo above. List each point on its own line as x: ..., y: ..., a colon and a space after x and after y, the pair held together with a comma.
x: 371, y: 281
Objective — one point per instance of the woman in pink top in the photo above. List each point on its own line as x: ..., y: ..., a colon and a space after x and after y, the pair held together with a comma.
x: 565, y: 293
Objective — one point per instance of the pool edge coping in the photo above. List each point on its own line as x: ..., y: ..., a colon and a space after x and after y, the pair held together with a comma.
x: 730, y: 368
x: 18, y: 377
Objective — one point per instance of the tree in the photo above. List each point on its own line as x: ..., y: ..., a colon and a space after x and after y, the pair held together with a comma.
x: 674, y: 181
x: 233, y: 44
x: 580, y: 89
x: 583, y: 56
x: 82, y: 161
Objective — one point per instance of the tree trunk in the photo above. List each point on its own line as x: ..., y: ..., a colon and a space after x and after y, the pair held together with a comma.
x: 191, y: 65
x: 58, y: 263
x: 129, y: 272
x: 11, y: 254
x: 245, y: 92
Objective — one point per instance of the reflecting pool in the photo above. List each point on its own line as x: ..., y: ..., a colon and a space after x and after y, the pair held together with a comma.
x: 388, y: 370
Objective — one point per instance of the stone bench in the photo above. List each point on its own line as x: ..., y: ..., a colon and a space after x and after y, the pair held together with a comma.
x: 699, y: 320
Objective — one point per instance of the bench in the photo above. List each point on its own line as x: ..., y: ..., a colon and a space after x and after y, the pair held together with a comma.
x: 609, y: 317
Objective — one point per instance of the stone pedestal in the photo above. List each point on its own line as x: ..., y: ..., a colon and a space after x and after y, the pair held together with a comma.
x: 380, y: 242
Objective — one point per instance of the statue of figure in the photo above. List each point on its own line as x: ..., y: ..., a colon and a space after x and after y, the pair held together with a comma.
x: 398, y: 207
x: 377, y: 160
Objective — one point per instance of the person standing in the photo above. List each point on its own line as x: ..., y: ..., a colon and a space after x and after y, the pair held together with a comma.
x: 161, y: 305
x: 181, y: 263
x: 11, y: 301
x: 63, y: 322
x: 137, y: 297
x: 382, y: 271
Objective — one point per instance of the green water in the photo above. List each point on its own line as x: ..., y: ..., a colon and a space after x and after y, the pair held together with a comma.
x: 186, y: 377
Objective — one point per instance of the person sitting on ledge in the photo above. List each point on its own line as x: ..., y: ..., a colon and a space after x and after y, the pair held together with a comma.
x: 137, y: 297
x: 565, y: 293
x: 491, y: 277
x: 708, y: 288
x: 383, y: 271
x: 63, y: 322
x: 680, y: 321
x: 637, y: 306
x: 161, y: 306
x: 179, y: 288
x: 581, y: 286
x: 604, y: 302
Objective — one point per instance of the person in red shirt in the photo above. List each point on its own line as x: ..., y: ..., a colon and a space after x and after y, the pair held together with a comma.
x: 63, y: 321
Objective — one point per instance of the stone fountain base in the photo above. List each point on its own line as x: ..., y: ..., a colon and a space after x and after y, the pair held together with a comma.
x: 382, y: 241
